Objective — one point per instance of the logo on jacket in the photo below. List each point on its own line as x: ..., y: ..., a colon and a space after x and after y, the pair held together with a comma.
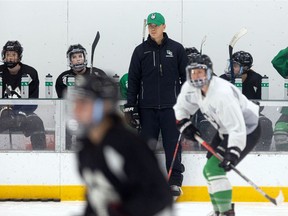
x: 169, y: 54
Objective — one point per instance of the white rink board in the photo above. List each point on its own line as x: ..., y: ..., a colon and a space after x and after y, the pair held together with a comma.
x: 61, y: 169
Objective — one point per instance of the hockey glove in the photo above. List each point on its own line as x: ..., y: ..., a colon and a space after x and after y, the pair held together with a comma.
x: 187, y: 129
x: 231, y: 157
x: 132, y: 116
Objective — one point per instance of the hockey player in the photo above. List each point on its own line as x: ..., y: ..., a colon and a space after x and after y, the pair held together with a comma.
x: 251, y: 81
x: 231, y: 113
x: 251, y: 88
x: 280, y: 63
x: 20, y: 117
x: 120, y: 171
x: 77, y: 61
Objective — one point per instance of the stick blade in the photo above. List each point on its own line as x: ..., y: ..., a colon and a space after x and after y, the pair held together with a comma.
x: 237, y: 36
x: 95, y: 42
x: 280, y: 198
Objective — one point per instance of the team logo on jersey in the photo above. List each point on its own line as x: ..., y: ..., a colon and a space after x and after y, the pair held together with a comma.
x: 169, y: 54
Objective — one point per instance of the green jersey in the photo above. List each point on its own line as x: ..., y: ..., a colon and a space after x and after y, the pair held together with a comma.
x: 124, y: 86
x: 280, y: 63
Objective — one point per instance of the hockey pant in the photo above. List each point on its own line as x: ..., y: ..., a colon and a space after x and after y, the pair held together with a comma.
x: 31, y: 126
x: 219, y: 187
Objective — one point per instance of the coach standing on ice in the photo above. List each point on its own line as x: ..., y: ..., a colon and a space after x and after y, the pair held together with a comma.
x: 231, y: 113
x: 156, y: 73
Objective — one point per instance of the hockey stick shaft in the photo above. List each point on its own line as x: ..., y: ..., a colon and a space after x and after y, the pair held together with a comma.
x: 144, y: 30
x: 276, y: 201
x: 94, y: 44
x: 232, y: 43
x: 202, y: 43
x: 174, y: 157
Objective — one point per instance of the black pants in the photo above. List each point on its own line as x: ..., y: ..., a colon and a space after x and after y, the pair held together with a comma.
x: 154, y: 121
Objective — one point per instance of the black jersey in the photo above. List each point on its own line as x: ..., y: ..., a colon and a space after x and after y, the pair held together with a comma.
x: 122, y: 172
x: 12, y: 85
x: 61, y: 82
x: 251, y: 87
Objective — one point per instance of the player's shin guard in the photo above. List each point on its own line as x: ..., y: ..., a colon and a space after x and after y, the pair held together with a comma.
x: 219, y: 187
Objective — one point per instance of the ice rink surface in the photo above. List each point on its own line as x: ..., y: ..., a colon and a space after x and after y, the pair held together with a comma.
x: 181, y: 209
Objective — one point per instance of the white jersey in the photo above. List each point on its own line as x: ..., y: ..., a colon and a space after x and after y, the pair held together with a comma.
x: 228, y: 110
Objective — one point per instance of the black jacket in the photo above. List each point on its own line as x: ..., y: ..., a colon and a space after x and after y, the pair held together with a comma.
x: 61, y: 81
x: 156, y: 73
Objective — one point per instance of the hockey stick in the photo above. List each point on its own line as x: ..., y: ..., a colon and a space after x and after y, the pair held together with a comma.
x: 202, y: 43
x: 144, y: 30
x: 277, y: 201
x: 95, y: 42
x: 174, y: 157
x: 232, y: 43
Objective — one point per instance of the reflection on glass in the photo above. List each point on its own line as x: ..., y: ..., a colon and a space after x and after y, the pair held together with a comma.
x: 27, y: 126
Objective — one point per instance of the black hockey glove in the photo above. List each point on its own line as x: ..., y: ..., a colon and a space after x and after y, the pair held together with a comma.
x: 231, y: 156
x: 187, y: 129
x: 132, y: 116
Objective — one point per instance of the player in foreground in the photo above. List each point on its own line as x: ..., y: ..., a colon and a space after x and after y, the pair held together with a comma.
x: 231, y: 113
x: 120, y: 171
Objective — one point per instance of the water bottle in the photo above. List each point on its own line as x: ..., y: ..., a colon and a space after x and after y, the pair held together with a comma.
x: 49, y: 86
x: 1, y: 85
x: 116, y: 78
x: 238, y: 83
x: 25, y: 86
x: 286, y: 89
x: 265, y: 88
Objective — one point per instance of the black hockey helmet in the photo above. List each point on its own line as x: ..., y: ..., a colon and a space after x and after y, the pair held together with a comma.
x: 12, y: 46
x: 199, y: 61
x: 101, y: 92
x: 76, y: 48
x: 243, y: 58
x: 96, y: 87
x: 191, y: 51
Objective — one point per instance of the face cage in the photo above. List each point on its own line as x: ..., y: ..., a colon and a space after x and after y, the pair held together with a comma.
x: 77, y: 67
x: 228, y: 69
x: 198, y: 83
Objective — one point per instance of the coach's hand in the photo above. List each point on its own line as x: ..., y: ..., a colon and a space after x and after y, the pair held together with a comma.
x: 132, y: 115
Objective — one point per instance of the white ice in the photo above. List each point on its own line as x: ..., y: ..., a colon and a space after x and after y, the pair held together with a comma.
x: 181, y: 209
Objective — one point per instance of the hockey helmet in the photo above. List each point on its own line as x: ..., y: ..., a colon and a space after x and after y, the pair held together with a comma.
x: 199, y: 62
x: 76, y: 48
x: 101, y: 95
x: 12, y: 46
x: 243, y: 58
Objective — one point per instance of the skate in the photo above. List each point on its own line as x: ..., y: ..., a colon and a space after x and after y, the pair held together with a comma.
x: 217, y: 213
x: 229, y: 212
x: 176, y: 191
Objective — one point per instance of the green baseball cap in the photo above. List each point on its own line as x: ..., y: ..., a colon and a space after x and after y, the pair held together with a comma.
x: 155, y: 18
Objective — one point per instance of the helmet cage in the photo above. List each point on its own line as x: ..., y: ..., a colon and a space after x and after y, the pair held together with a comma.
x: 77, y: 67
x: 200, y: 82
